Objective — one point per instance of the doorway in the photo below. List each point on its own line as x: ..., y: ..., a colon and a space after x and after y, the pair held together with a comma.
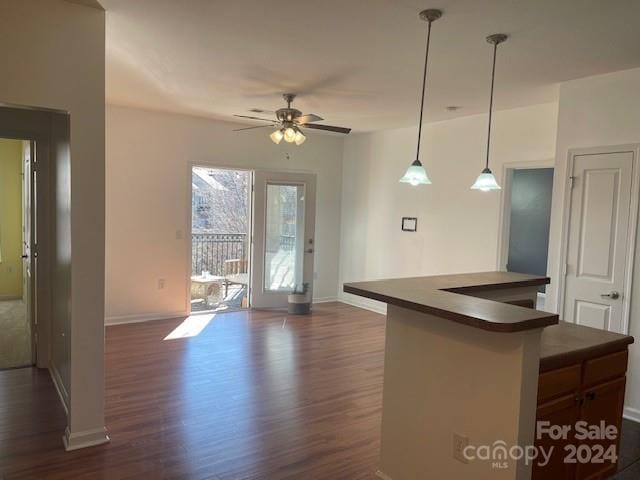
x: 17, y: 329
x: 220, y: 238
x: 526, y: 221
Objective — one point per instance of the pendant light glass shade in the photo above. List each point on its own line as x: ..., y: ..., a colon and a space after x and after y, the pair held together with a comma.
x: 277, y: 136
x: 416, y: 175
x: 486, y: 181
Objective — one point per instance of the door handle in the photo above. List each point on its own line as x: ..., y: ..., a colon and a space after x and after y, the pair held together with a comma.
x: 310, y: 250
x: 613, y: 295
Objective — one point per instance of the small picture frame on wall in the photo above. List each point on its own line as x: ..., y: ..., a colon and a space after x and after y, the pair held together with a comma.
x: 409, y: 224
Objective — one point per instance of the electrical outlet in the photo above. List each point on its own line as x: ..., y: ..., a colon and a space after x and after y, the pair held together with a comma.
x: 460, y: 442
x: 161, y: 283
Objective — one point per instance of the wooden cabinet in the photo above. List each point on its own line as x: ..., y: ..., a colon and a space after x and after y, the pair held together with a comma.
x: 591, y: 392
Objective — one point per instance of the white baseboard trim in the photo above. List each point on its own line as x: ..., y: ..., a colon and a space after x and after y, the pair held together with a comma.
x: 382, y: 475
x: 144, y: 317
x: 60, y: 388
x: 361, y: 302
x: 631, y: 414
x: 88, y: 438
x: 325, y: 299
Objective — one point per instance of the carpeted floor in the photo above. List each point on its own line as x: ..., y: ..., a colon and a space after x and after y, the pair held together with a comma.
x: 15, y: 334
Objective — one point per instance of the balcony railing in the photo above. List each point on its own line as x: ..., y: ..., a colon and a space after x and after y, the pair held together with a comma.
x: 209, y: 251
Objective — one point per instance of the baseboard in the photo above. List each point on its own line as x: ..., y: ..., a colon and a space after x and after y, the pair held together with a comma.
x: 10, y: 297
x: 383, y: 476
x: 361, y: 302
x: 88, y: 438
x: 144, y: 317
x: 631, y: 414
x: 60, y: 388
x: 325, y: 299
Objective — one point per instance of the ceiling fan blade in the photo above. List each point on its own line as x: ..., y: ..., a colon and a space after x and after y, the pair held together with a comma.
x: 255, y: 118
x: 308, y: 118
x: 329, y: 128
x: 260, y: 110
x: 251, y: 128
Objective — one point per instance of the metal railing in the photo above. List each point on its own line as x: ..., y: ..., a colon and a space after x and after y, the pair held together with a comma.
x: 209, y: 251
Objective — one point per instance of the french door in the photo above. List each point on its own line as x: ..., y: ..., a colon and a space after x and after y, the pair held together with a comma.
x: 283, y: 236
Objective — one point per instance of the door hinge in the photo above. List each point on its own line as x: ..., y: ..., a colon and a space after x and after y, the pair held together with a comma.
x: 565, y: 269
x: 572, y: 181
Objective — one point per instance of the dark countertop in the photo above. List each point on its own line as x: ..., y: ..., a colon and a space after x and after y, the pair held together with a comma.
x: 567, y: 344
x: 447, y: 296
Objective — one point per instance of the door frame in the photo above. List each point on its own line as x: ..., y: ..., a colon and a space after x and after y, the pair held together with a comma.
x: 504, y: 220
x: 634, y: 148
x: 189, y: 226
x: 34, y: 125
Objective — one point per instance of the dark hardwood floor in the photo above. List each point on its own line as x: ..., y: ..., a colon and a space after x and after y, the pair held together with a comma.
x: 253, y: 396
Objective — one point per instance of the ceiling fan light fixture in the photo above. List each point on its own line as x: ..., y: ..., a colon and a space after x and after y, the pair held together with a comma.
x: 277, y: 136
x: 300, y: 137
x: 289, y: 135
x: 416, y: 175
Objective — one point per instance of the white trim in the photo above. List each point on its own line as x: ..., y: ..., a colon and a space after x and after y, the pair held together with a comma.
x: 365, y: 303
x: 631, y: 414
x: 633, y: 223
x: 325, y: 300
x: 382, y: 476
x: 60, y: 388
x: 143, y: 317
x: 88, y: 438
x: 504, y: 219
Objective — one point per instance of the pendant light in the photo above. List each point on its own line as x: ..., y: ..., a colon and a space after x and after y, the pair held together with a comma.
x: 416, y: 174
x: 486, y: 181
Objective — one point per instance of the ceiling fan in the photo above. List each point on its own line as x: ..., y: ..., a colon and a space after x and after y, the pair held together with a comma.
x: 288, y: 122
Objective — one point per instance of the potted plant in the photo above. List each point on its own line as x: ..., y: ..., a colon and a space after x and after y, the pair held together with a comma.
x: 300, y: 300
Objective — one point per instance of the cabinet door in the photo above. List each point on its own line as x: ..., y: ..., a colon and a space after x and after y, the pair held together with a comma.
x: 603, y: 403
x: 564, y: 411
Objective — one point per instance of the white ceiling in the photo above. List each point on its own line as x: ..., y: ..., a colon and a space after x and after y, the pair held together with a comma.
x: 358, y: 63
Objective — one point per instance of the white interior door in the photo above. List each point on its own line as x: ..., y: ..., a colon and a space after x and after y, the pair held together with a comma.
x: 29, y: 238
x: 598, y: 240
x: 283, y: 236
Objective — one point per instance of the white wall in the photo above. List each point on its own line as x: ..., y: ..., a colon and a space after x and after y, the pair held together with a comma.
x: 457, y: 227
x: 598, y: 111
x: 148, y: 200
x: 56, y: 53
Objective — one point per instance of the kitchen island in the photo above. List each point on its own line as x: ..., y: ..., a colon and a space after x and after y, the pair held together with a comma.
x: 464, y: 358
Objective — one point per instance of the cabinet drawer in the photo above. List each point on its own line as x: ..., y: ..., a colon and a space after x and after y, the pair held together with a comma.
x: 559, y: 382
x: 605, y: 368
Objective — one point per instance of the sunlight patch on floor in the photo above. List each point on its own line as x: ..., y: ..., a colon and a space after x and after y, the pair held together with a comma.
x: 192, y: 326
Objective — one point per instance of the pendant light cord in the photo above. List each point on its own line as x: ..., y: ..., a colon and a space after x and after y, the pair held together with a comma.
x: 424, y: 84
x: 493, y: 77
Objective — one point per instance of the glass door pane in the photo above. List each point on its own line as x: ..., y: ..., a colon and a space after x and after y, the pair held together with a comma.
x: 284, y: 237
